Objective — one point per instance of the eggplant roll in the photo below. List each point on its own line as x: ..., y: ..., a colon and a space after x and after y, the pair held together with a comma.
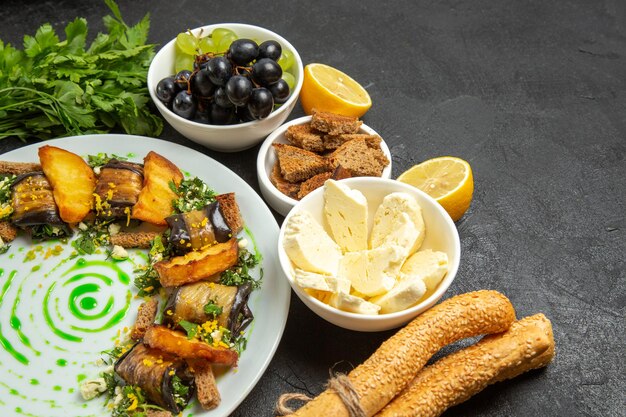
x: 198, y: 229
x: 188, y: 301
x: 33, y: 202
x: 153, y: 371
x: 118, y: 188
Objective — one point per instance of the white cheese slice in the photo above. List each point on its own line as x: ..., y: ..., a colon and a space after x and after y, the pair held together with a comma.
x: 319, y: 282
x: 404, y: 295
x: 308, y: 245
x: 388, y: 217
x: 346, y: 213
x: 347, y: 302
x: 428, y: 266
x: 372, y: 272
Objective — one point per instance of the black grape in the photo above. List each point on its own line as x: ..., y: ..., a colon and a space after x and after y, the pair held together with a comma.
x: 266, y: 71
x: 238, y: 90
x: 271, y: 50
x: 242, y: 51
x: 166, y: 89
x: 184, y: 105
x: 221, y: 98
x: 260, y: 103
x: 221, y: 116
x: 280, y: 91
x: 182, y: 79
x: 201, y: 84
x: 220, y: 70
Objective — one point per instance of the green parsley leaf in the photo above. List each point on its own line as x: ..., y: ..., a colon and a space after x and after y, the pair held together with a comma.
x: 190, y: 328
x: 212, y: 309
x: 102, y: 159
x: 240, y: 273
x: 193, y: 194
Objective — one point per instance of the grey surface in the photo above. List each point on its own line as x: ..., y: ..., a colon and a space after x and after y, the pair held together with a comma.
x: 532, y: 94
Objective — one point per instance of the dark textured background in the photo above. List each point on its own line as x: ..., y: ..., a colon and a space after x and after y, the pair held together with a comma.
x: 532, y: 94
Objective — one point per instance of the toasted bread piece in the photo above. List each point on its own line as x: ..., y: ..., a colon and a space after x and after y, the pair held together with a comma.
x: 332, y: 142
x: 362, y: 157
x: 197, y: 265
x: 139, y: 240
x: 17, y: 168
x: 146, y: 314
x: 318, y: 180
x: 176, y: 343
x: 285, y: 187
x: 305, y: 137
x: 72, y: 181
x: 230, y: 211
x: 206, y: 387
x: 335, y: 124
x: 155, y: 199
x: 8, y: 232
x: 298, y: 164
x: 158, y: 413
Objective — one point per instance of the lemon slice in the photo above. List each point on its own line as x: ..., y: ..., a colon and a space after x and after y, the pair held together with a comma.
x: 327, y: 89
x: 447, y: 179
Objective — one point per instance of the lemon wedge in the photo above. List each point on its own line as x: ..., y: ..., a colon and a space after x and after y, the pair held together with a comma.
x: 447, y: 179
x: 325, y: 88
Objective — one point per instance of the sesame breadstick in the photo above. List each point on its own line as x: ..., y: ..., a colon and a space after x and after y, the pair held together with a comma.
x: 396, y: 362
x: 527, y: 345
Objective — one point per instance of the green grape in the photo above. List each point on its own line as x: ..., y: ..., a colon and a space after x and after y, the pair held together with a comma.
x: 225, y: 42
x: 207, y: 45
x: 289, y: 79
x: 219, y: 33
x: 286, y: 60
x: 187, y: 43
x: 183, y: 61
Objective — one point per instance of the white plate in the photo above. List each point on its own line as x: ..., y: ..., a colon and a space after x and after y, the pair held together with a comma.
x: 41, y: 377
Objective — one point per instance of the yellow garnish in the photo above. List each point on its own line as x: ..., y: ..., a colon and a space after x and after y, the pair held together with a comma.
x: 134, y: 403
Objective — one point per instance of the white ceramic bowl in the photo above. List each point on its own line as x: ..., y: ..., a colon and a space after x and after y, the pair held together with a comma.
x: 441, y: 235
x: 229, y: 138
x: 266, y: 159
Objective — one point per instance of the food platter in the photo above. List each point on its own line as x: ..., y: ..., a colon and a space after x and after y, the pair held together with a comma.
x: 58, y: 313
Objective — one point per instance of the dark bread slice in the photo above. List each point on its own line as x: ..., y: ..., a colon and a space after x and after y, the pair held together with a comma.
x: 335, y: 124
x: 17, y: 168
x: 362, y: 157
x: 158, y: 413
x: 305, y: 137
x: 146, y: 314
x: 332, y: 142
x: 140, y: 240
x: 230, y: 211
x: 318, y: 180
x: 285, y: 187
x: 206, y: 387
x: 8, y: 232
x: 298, y: 164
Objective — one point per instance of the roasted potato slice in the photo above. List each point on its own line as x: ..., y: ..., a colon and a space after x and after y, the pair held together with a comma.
x: 72, y: 181
x: 176, y: 343
x: 155, y: 199
x: 197, y: 265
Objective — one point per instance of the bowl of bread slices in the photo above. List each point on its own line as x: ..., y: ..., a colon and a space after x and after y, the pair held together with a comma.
x: 302, y: 154
x: 367, y: 253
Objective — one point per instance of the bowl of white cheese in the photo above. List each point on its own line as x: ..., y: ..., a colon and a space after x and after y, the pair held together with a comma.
x: 368, y: 253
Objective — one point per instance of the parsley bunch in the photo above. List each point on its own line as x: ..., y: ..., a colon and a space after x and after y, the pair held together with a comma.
x: 62, y: 87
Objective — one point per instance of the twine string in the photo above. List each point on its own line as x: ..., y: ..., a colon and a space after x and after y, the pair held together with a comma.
x: 340, y: 383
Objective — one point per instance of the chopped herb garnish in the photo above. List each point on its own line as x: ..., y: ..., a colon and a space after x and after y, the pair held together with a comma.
x: 48, y: 231
x: 5, y: 196
x: 193, y: 194
x: 179, y: 390
x: 190, y: 328
x: 240, y: 273
x: 4, y: 248
x: 102, y: 159
x: 212, y: 309
x: 92, y: 236
x: 147, y: 282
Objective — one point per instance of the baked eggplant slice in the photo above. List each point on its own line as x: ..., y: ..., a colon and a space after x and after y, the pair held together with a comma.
x: 118, y: 188
x: 155, y: 372
x: 198, y: 229
x: 34, y: 205
x: 197, y: 265
x: 188, y: 302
